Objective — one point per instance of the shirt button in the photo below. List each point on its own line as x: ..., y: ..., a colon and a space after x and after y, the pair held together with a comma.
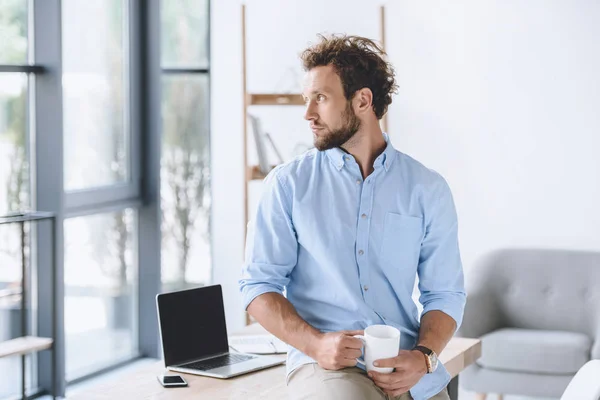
x: 360, y: 252
x: 366, y: 288
x: 363, y: 216
x: 358, y: 181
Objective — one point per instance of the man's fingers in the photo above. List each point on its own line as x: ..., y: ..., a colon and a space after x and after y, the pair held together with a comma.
x: 352, y: 353
x: 394, y: 377
x: 390, y: 385
x: 347, y: 362
x: 386, y: 362
x: 351, y: 342
x: 387, y: 386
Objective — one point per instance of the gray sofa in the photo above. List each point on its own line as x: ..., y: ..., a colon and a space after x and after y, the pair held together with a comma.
x: 538, y: 314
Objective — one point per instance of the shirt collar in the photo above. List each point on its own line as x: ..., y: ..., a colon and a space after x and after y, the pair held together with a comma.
x: 336, y: 156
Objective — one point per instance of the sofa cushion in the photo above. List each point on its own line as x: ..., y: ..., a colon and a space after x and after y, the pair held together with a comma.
x: 536, y: 351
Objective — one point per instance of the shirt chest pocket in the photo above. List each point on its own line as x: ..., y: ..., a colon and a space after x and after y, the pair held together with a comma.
x: 402, y: 238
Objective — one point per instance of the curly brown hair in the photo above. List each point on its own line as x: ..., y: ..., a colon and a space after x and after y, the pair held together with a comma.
x: 359, y: 62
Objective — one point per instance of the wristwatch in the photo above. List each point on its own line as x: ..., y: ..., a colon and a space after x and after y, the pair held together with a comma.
x: 431, y: 359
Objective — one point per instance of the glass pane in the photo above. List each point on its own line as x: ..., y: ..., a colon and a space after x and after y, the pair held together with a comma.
x: 13, y: 31
x: 184, y: 33
x: 185, y: 182
x: 11, y: 310
x: 100, y: 291
x: 14, y: 154
x: 95, y: 84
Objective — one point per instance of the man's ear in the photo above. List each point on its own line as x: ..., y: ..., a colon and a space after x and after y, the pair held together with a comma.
x: 363, y: 101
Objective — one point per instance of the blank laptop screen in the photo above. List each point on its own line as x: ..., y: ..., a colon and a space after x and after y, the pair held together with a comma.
x: 192, y: 324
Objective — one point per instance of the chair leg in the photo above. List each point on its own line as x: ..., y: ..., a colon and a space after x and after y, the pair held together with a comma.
x: 480, y: 396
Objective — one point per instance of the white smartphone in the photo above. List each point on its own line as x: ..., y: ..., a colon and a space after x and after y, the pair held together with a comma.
x: 170, y: 381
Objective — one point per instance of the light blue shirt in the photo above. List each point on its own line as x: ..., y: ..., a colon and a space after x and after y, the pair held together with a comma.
x: 347, y: 251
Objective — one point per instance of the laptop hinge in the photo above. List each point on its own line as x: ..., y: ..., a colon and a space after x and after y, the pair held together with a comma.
x: 200, y: 359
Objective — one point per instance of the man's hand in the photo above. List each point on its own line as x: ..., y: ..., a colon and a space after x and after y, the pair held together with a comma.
x: 337, y: 350
x: 410, y: 368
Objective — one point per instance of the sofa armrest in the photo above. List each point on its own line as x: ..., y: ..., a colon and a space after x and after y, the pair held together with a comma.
x: 481, y: 316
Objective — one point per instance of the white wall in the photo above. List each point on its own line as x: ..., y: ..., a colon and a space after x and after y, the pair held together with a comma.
x: 501, y: 97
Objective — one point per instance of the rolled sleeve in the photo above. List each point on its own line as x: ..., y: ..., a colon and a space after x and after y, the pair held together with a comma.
x: 271, y: 243
x: 441, y: 280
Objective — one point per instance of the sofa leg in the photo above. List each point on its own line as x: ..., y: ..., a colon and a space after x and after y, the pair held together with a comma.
x: 480, y: 396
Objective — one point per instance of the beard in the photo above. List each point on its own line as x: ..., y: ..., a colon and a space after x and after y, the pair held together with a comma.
x: 337, y: 137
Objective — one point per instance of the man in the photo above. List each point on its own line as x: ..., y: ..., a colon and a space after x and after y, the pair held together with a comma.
x: 345, y: 229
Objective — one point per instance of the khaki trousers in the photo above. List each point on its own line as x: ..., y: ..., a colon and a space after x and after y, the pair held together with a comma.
x: 310, y: 381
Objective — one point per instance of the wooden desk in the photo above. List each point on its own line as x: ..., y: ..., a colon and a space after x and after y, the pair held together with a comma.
x: 267, y: 384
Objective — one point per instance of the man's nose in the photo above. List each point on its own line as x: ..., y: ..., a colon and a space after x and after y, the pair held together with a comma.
x: 310, y: 113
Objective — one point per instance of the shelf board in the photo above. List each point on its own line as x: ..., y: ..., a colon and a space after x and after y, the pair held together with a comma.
x: 24, y: 345
x: 275, y: 99
x: 253, y: 173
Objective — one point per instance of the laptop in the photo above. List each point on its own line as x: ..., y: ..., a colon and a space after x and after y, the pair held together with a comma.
x: 194, y: 335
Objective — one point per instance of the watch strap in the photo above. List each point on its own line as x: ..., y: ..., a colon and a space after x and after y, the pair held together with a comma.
x: 426, y: 352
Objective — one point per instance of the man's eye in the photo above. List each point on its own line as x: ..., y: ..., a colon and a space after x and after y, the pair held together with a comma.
x: 320, y: 97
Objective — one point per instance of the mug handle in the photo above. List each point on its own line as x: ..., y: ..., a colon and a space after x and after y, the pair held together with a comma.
x: 358, y: 360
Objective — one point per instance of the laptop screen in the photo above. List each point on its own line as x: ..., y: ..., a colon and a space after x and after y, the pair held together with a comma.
x: 192, y: 324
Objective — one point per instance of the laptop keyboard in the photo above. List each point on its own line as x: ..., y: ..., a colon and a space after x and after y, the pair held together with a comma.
x: 222, y: 361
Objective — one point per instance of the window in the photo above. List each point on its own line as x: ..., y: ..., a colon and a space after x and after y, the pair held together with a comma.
x: 100, y: 255
x: 13, y: 31
x: 14, y: 143
x: 95, y: 104
x: 184, y: 33
x: 185, y: 158
x: 100, y: 291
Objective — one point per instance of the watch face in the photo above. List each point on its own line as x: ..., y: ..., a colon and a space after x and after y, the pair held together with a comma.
x: 434, y: 361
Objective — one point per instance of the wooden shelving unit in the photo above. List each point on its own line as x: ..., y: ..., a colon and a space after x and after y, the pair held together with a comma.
x: 252, y: 172
x: 25, y: 344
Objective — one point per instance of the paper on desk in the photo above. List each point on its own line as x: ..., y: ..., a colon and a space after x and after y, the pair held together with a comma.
x: 257, y: 344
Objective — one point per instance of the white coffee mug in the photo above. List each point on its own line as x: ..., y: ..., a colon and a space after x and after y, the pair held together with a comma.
x: 380, y: 341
